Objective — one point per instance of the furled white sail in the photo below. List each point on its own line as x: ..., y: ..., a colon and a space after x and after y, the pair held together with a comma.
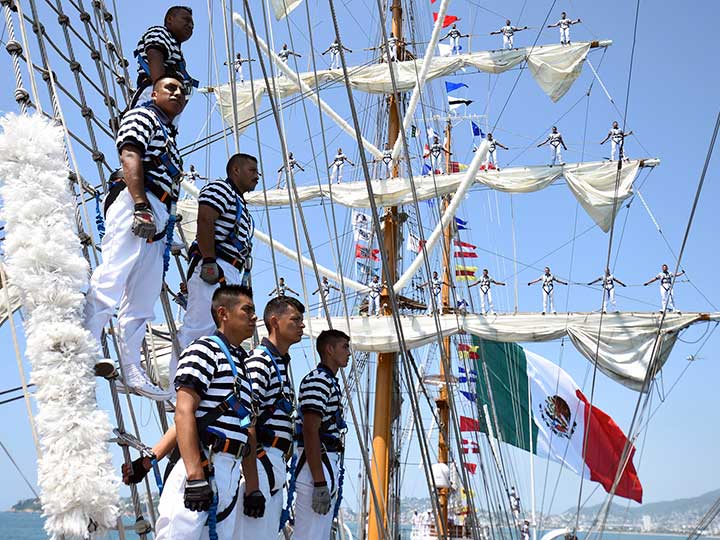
x: 593, y: 184
x: 282, y: 8
x: 554, y: 67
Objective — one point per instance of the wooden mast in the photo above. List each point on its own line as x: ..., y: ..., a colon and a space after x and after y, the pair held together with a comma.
x: 384, y: 378
x: 442, y: 401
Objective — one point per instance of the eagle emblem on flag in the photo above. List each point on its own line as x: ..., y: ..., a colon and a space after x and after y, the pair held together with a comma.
x: 555, y: 412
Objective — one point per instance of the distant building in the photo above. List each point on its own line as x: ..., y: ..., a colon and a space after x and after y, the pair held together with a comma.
x: 646, y: 524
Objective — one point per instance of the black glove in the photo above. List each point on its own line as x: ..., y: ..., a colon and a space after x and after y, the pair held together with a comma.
x: 135, y: 471
x: 198, y: 495
x: 321, y: 498
x: 143, y: 224
x: 210, y: 271
x: 254, y: 504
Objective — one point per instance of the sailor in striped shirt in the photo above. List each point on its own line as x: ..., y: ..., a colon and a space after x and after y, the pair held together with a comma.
x: 130, y: 276
x: 268, y: 370
x: 320, y: 429
x: 205, y: 379
x: 222, y: 251
x: 158, y: 53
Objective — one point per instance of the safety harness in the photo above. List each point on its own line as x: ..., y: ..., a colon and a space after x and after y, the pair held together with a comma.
x: 548, y: 283
x: 665, y: 280
x: 180, y: 67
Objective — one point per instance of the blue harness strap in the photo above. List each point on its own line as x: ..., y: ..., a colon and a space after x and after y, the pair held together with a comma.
x: 181, y: 68
x: 99, y: 221
x: 285, y: 514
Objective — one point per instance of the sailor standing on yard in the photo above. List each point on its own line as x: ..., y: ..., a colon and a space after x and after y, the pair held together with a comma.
x: 508, y: 33
x: 667, y: 302
x: 373, y: 297
x: 386, y: 160
x: 514, y: 503
x: 556, y: 140
x: 284, y: 55
x: 273, y: 391
x: 319, y: 432
x: 324, y: 290
x: 334, y: 50
x: 435, y: 284
x: 454, y: 34
x: 548, y: 284
x: 608, y: 283
x: 130, y: 276
x: 492, y: 151
x: 564, y: 24
x: 211, y: 370
x: 485, y: 293
x: 158, y: 52
x: 237, y: 66
x: 222, y: 250
x: 436, y: 152
x: 337, y: 166
x: 617, y: 138
x: 282, y: 289
x: 292, y: 163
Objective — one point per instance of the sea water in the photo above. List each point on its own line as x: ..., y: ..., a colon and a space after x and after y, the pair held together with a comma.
x: 29, y: 526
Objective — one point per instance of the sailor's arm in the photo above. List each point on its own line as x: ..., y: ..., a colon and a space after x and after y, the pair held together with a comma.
x: 544, y: 142
x: 650, y: 281
x: 311, y: 439
x: 496, y: 32
x: 562, y: 141
x: 501, y: 145
x: 680, y: 273
x: 288, y: 289
x: 628, y: 133
x: 187, y: 435
x: 561, y: 281
x: 606, y: 138
x: 206, y: 230
x: 249, y: 463
x: 534, y: 281
x: 474, y: 284
x: 501, y: 283
x: 620, y: 282
x: 315, y: 291
x: 132, y: 165
x: 594, y: 281
x: 156, y: 63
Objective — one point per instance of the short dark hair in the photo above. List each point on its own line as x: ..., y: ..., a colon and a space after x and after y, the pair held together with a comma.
x: 174, y: 9
x: 227, y: 296
x: 329, y: 337
x: 170, y: 75
x: 278, y: 306
x: 235, y: 158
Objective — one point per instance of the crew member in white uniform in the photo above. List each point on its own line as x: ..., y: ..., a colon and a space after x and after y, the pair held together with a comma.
x: 437, y: 151
x: 373, y: 297
x: 324, y: 290
x: 320, y: 432
x: 667, y: 301
x: 564, y: 24
x: 158, y: 52
x: 485, y: 293
x: 211, y: 371
x: 282, y: 289
x: 191, y: 177
x: 137, y: 211
x: 334, y: 50
x: 292, y: 163
x: 237, y: 66
x: 617, y: 139
x: 548, y: 284
x: 273, y: 391
x: 386, y: 160
x: 608, y: 283
x: 435, y: 284
x: 525, y: 530
x: 555, y: 140
x: 514, y: 503
x: 492, y: 152
x: 285, y: 54
x: 508, y: 33
x: 454, y: 34
x: 222, y: 250
x: 337, y: 166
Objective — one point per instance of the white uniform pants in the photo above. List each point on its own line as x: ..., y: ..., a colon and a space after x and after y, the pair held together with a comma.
x: 310, y: 525
x: 615, y: 150
x: 336, y: 173
x: 129, y: 278
x: 565, y: 36
x: 373, y: 304
x: 555, y: 154
x: 334, y: 59
x: 438, y: 303
x: 507, y: 42
x: 321, y: 309
x: 609, y: 294
x: 436, y: 163
x: 666, y: 299
x: 198, y: 320
x: 175, y: 522
x: 239, y: 72
x: 267, y: 526
x: 486, y: 297
x: 455, y: 42
x: 388, y: 168
x: 392, y: 49
x: 491, y: 158
x: 548, y: 300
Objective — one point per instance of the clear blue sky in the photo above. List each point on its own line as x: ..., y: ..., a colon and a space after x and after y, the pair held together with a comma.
x: 673, y: 103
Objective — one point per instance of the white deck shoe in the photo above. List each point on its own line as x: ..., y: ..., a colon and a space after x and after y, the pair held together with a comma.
x: 137, y: 381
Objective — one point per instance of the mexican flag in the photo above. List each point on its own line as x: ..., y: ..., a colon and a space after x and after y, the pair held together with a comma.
x: 539, y: 408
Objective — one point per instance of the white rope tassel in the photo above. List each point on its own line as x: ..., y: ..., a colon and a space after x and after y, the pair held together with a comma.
x: 44, y: 261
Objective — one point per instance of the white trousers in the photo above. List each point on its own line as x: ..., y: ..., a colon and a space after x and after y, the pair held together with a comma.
x: 486, y: 297
x: 666, y: 299
x: 336, y: 173
x: 491, y: 158
x: 555, y: 154
x: 565, y: 36
x: 455, y: 42
x: 388, y: 168
x: 608, y: 294
x: 198, y: 320
x: 507, y: 42
x: 321, y: 310
x: 334, y: 59
x: 393, y: 52
x: 129, y: 277
x: 310, y: 525
x: 373, y: 304
x: 175, y: 522
x: 438, y: 304
x: 615, y: 150
x: 436, y: 163
x: 548, y: 300
x: 239, y: 72
x: 249, y: 528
